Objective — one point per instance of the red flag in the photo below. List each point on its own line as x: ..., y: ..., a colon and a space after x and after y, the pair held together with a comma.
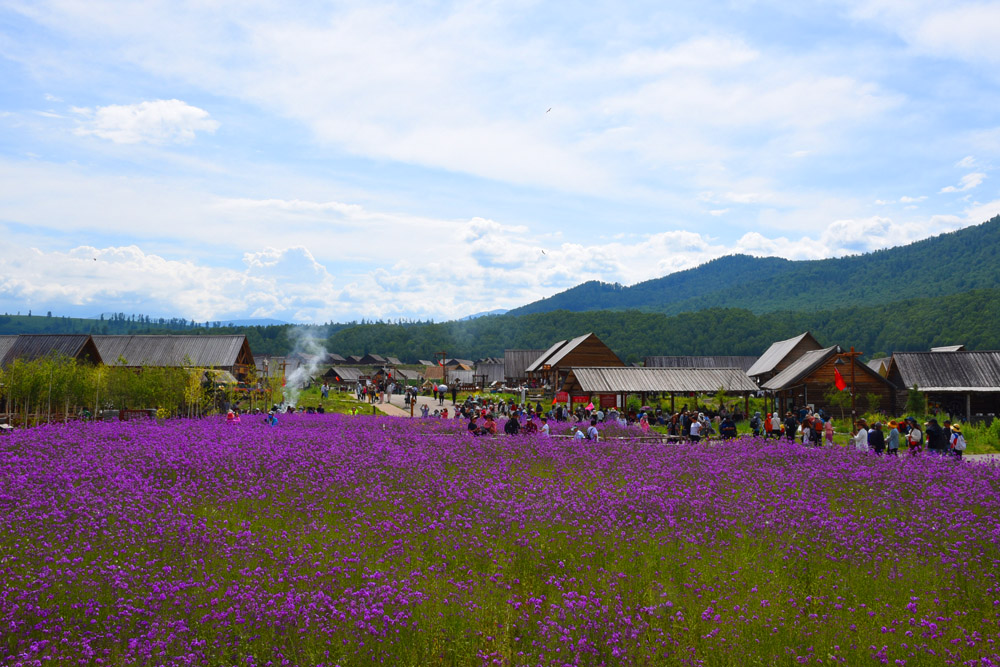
x: 553, y: 401
x: 838, y: 380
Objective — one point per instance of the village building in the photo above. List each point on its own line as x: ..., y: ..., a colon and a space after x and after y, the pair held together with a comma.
x: 29, y: 347
x: 552, y: 366
x: 808, y: 380
x: 488, y: 371
x: 514, y: 364
x: 780, y: 355
x: 717, y: 361
x: 610, y: 387
x: 963, y: 384
x: 229, y: 353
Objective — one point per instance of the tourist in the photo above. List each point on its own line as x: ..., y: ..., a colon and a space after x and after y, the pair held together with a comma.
x: 727, y: 429
x: 914, y: 438
x: 513, y: 426
x: 876, y: 439
x: 892, y: 445
x: 791, y: 426
x: 592, y: 430
x: 860, y: 438
x: 694, y: 434
x: 531, y: 427
x: 828, y: 432
x: 957, y: 441
x: 938, y: 440
x: 756, y: 424
x: 545, y: 426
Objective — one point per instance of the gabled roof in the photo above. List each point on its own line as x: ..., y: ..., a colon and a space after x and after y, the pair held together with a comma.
x: 353, y: 359
x: 947, y: 371
x: 540, y: 360
x: 717, y: 361
x: 775, y: 354
x: 468, y: 363
x: 373, y: 359
x: 558, y: 352
x: 949, y: 348
x: 393, y: 361
x: 799, y: 368
x: 880, y: 365
x: 29, y: 347
x: 345, y: 374
x: 333, y: 358
x: 676, y: 380
x: 424, y: 362
x: 174, y: 351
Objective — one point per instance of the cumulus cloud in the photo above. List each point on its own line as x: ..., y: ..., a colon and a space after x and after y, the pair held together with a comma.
x: 490, y: 266
x: 153, y: 122
x: 967, y: 182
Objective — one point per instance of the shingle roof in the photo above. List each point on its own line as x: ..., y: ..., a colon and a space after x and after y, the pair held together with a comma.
x: 775, y: 354
x: 171, y: 351
x: 801, y: 366
x: 718, y: 361
x: 35, y: 346
x: 346, y: 374
x: 678, y: 380
x: 947, y: 371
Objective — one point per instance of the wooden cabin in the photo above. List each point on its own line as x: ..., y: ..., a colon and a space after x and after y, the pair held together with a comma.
x: 229, y: 353
x: 962, y: 384
x: 780, y: 355
x: 29, y: 347
x: 810, y: 377
x: 552, y: 366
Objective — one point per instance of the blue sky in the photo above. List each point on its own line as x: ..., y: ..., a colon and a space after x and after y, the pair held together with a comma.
x: 332, y: 161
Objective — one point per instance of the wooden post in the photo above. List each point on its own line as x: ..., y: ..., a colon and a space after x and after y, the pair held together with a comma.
x: 968, y: 408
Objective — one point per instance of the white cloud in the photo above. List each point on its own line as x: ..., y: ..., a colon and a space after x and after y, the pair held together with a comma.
x: 968, y: 162
x: 967, y: 182
x: 155, y: 122
x: 912, y: 200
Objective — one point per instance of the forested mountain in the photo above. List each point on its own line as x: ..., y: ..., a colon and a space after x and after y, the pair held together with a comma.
x: 946, y: 264
x: 914, y: 324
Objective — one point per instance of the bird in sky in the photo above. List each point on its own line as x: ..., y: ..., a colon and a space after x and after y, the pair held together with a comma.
x: 548, y: 110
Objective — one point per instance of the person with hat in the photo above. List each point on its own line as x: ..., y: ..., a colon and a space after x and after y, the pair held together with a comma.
x: 957, y: 441
x: 892, y: 443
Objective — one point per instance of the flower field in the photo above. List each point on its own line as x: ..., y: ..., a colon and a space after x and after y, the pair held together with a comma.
x: 337, y: 540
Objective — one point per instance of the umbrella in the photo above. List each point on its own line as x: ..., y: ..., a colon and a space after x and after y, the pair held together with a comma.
x: 645, y: 407
x: 443, y: 387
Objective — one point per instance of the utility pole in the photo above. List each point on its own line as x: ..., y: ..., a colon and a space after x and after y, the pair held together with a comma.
x: 444, y: 369
x: 852, y: 355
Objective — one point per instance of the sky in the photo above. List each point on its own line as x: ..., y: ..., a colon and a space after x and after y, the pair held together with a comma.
x: 332, y: 161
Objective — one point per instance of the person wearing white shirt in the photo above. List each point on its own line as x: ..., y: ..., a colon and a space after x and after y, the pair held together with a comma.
x: 695, y: 431
x: 860, y: 438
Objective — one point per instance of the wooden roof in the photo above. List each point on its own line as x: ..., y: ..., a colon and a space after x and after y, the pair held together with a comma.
x: 373, y: 359
x: 345, y: 374
x: 585, y: 350
x: 29, y: 347
x: 643, y: 380
x: 719, y: 361
x: 949, y: 348
x: 799, y: 369
x: 393, y: 361
x: 779, y: 351
x: 175, y: 351
x: 946, y: 371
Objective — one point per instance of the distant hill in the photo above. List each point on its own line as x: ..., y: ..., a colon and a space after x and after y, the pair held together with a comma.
x: 947, y: 264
